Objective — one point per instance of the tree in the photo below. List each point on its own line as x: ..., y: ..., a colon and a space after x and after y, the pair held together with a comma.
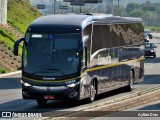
x: 149, y: 15
x: 136, y: 13
x: 120, y: 12
x: 131, y: 7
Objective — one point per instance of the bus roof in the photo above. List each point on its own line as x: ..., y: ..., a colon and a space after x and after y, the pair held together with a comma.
x: 69, y: 22
x: 74, y: 22
x: 117, y: 19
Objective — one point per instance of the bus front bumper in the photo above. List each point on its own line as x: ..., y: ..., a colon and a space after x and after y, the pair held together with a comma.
x: 50, y: 92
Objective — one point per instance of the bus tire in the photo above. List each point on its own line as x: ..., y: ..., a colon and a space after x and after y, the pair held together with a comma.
x: 41, y: 102
x: 92, y: 91
x: 130, y: 86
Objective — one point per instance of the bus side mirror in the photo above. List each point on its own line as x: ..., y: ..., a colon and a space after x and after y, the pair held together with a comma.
x: 16, y: 46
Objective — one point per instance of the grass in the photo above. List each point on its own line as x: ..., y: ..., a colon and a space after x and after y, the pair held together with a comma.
x: 153, y: 28
x: 20, y: 14
x: 8, y: 38
x: 2, y: 70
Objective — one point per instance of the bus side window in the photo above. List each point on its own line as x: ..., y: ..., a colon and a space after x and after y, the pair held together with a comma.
x: 84, y: 57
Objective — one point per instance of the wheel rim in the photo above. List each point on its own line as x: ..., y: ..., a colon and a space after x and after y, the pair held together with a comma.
x: 93, y: 91
x: 131, y: 80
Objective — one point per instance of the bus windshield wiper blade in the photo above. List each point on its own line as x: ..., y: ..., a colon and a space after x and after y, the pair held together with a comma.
x: 47, y: 71
x: 38, y: 72
x: 57, y: 70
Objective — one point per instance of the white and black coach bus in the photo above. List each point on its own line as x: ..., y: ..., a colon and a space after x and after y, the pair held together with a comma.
x: 80, y: 56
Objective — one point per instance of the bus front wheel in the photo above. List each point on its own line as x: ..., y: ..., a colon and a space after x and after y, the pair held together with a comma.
x: 41, y: 102
x: 92, y: 91
x: 130, y: 86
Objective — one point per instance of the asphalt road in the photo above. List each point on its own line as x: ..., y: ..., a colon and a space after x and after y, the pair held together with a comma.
x: 11, y: 99
x: 150, y: 111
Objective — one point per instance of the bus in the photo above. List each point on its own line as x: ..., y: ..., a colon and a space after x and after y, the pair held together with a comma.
x: 74, y: 57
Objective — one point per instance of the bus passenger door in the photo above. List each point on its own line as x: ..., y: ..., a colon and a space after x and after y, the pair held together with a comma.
x: 84, y: 74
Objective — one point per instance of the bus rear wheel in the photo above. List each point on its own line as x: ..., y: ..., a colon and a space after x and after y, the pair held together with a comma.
x: 41, y: 102
x: 130, y: 86
x: 92, y: 92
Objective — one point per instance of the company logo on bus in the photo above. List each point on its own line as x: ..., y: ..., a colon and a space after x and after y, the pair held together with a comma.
x: 104, y: 60
x: 46, y: 78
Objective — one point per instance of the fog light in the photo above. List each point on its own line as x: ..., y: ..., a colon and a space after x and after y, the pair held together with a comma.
x: 73, y: 94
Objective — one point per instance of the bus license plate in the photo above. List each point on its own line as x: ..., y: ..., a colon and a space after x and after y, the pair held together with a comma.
x: 48, y: 97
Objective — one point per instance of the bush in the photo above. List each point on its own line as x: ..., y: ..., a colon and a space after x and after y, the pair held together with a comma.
x: 2, y: 70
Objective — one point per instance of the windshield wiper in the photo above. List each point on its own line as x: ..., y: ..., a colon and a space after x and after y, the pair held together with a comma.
x: 38, y: 72
x: 56, y: 70
x: 48, y: 71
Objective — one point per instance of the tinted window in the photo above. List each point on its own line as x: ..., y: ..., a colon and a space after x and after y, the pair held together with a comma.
x: 54, y: 52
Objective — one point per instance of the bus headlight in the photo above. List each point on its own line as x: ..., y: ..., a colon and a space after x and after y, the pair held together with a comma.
x: 73, y: 84
x: 26, y: 84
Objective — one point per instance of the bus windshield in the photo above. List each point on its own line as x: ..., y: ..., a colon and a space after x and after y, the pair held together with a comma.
x: 51, y: 54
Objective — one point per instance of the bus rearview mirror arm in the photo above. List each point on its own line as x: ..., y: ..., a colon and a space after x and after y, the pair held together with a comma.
x: 16, y: 46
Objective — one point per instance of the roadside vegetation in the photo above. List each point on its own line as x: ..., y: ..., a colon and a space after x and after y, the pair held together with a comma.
x: 2, y: 70
x: 153, y: 28
x: 19, y: 15
x: 7, y: 37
